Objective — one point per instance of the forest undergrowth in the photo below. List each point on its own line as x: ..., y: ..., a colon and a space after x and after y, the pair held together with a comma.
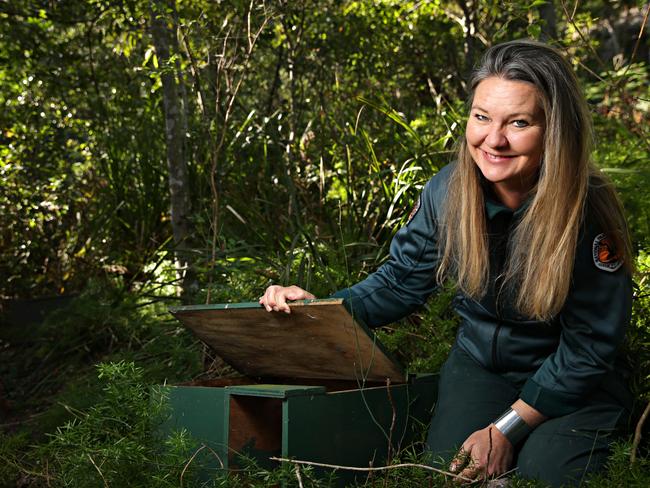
x: 83, y: 409
x: 298, y: 135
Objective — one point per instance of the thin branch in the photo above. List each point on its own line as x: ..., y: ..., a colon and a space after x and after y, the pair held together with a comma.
x: 575, y: 9
x: 637, y: 433
x: 216, y: 152
x: 47, y: 472
x: 23, y: 470
x: 636, y: 45
x: 368, y: 470
x: 389, y: 456
x: 412, y: 334
x: 98, y: 470
x: 187, y: 465
x: 571, y: 20
x: 299, y: 477
x: 248, y: 26
x: 202, y: 99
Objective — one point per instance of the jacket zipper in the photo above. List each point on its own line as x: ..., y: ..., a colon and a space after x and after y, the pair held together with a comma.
x: 498, y: 283
x: 495, y: 336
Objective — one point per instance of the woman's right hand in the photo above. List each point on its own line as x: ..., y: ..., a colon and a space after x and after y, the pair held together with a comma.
x: 275, y: 297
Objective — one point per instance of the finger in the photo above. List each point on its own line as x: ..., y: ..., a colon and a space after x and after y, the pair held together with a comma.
x: 262, y: 299
x: 281, y: 302
x: 470, y: 467
x: 470, y: 473
x: 297, y: 293
x: 493, y: 469
x: 294, y: 293
x: 498, y: 467
x: 459, y: 461
x: 303, y: 294
x: 275, y: 297
x: 269, y: 297
x: 473, y: 469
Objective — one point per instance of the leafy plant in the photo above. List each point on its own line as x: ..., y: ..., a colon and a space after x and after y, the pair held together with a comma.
x: 411, y: 339
x: 115, y: 442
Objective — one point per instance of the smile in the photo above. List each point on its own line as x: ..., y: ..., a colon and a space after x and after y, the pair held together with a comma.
x: 496, y: 157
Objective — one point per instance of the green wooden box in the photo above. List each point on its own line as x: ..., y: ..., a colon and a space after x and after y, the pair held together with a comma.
x: 317, y: 386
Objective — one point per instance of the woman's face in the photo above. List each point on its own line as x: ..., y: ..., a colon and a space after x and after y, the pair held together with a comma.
x: 505, y: 136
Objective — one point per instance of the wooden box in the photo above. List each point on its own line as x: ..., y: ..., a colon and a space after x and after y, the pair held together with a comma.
x: 317, y: 386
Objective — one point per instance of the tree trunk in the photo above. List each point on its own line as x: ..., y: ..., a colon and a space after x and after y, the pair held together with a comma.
x: 163, y: 29
x: 470, y: 10
x: 547, y: 14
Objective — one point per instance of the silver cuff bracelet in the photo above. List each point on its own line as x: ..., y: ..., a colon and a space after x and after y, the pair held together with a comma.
x: 511, y: 425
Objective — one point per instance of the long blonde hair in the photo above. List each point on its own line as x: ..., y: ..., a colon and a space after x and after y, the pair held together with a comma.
x: 542, y: 248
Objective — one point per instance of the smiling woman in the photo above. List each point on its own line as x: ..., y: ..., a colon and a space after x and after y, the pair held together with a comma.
x: 505, y: 136
x: 535, y: 239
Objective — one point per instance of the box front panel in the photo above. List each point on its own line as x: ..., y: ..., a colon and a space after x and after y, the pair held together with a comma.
x: 201, y: 412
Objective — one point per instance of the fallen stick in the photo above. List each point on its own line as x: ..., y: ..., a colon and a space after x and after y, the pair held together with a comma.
x: 380, y: 468
x: 637, y: 433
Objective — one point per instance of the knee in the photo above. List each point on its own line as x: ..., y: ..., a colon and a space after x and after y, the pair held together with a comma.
x: 561, y: 460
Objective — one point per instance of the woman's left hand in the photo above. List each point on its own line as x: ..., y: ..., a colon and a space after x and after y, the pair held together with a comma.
x: 485, y: 453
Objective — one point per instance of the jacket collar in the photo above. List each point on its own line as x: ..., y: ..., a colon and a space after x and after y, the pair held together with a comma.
x: 493, y: 207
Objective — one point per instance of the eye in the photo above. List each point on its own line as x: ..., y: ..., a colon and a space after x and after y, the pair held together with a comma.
x: 480, y: 117
x: 520, y: 123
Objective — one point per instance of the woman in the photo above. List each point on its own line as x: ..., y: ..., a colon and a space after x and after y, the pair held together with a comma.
x: 535, y: 239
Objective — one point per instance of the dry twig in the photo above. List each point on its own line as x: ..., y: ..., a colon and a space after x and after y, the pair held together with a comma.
x: 636, y: 45
x: 571, y: 20
x: 389, y: 456
x: 98, y: 470
x: 368, y: 470
x: 637, y: 433
x: 233, y: 90
x: 299, y: 476
x: 187, y: 465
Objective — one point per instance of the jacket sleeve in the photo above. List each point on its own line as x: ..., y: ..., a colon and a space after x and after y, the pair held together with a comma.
x: 593, y: 322
x: 404, y: 282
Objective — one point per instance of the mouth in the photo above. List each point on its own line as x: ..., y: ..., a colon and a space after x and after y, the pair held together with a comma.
x: 496, y: 158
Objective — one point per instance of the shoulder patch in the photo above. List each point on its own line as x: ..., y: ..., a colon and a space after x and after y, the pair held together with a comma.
x: 604, y: 253
x: 416, y: 207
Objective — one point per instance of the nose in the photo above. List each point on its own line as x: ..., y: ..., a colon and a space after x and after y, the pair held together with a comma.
x: 496, y: 136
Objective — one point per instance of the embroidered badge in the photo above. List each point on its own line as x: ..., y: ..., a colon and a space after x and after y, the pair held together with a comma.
x: 604, y: 253
x: 416, y: 207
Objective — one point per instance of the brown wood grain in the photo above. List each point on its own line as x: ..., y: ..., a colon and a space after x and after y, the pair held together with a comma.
x: 317, y: 340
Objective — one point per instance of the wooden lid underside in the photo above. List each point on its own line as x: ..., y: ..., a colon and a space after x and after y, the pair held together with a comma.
x: 319, y: 339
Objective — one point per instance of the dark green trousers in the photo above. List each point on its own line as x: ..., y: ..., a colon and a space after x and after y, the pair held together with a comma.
x: 561, y: 451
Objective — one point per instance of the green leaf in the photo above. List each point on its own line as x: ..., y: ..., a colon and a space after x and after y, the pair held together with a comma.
x: 534, y: 31
x: 147, y: 55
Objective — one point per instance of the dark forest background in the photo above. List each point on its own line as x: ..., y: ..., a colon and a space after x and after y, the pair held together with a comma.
x: 158, y: 152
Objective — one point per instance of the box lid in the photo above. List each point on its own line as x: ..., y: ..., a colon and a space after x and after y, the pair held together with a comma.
x: 319, y: 339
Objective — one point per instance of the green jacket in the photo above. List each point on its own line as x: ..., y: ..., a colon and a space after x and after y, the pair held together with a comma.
x: 563, y: 360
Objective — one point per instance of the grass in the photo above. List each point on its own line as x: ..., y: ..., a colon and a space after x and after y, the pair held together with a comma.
x: 80, y: 413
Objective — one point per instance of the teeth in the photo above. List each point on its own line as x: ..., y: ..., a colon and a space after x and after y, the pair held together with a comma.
x: 495, y: 156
